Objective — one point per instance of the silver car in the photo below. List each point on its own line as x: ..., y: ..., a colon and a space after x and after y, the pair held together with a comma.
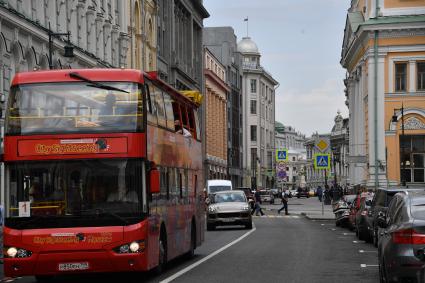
x: 229, y: 208
x: 401, y: 245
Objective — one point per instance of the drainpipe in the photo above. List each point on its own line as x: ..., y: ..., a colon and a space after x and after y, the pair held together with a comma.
x: 375, y: 98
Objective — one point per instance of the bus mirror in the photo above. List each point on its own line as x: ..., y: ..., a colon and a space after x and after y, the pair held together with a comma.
x: 154, y: 181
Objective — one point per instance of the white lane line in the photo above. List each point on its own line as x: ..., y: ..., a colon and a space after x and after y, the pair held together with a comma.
x: 368, y: 265
x: 192, y: 266
x: 349, y: 234
x: 363, y: 251
x: 359, y: 242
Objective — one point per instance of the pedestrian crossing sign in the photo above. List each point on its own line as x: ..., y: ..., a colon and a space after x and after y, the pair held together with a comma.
x: 281, y: 155
x: 322, y: 161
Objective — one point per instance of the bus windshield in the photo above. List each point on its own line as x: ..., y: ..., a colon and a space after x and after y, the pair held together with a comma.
x: 76, y: 107
x: 77, y: 190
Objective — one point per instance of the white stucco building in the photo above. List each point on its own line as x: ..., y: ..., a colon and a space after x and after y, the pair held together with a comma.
x: 258, y: 88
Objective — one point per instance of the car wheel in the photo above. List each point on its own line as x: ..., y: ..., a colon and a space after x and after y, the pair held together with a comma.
x: 43, y: 278
x: 210, y: 227
x: 337, y: 224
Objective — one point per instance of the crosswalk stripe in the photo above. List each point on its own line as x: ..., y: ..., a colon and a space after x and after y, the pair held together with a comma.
x: 276, y: 216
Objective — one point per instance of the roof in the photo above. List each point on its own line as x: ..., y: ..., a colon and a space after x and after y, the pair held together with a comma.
x: 355, y: 19
x: 395, y: 20
x: 247, y: 45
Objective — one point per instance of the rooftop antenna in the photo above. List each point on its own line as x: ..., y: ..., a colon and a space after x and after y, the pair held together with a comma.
x: 247, y: 25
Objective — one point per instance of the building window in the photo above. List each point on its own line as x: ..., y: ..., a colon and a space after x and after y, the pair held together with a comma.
x: 253, y: 86
x: 253, y: 133
x: 412, y: 155
x: 254, y: 107
x: 420, y: 67
x: 253, y: 158
x: 400, y: 76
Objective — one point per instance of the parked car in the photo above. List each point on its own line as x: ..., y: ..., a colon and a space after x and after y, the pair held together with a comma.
x: 401, y: 248
x: 364, y: 219
x: 379, y: 207
x: 341, y: 210
x: 355, y: 207
x: 292, y: 193
x: 266, y: 196
x: 229, y: 208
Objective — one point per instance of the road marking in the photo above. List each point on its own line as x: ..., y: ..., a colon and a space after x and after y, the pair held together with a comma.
x: 332, y: 229
x: 359, y: 242
x: 363, y: 251
x: 192, y: 266
x: 276, y: 216
x: 348, y: 234
x: 368, y: 265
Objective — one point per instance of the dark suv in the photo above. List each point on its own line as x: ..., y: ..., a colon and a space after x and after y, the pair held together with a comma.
x: 379, y: 207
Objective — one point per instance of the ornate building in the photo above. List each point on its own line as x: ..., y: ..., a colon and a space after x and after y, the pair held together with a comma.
x: 142, y: 30
x: 179, y: 36
x: 215, y: 102
x: 222, y: 42
x: 383, y: 52
x: 258, y: 88
x: 97, y: 30
x: 340, y: 151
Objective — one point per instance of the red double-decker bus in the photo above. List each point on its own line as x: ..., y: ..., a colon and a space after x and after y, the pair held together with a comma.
x: 103, y: 173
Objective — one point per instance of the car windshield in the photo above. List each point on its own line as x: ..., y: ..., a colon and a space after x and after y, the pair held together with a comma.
x: 75, y: 107
x: 214, y: 189
x: 74, y: 189
x: 230, y: 197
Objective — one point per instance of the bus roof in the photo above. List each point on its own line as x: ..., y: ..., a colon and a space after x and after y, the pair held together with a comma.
x: 49, y: 76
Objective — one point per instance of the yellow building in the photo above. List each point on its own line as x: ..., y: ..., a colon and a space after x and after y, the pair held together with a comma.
x: 384, y: 54
x: 142, y: 30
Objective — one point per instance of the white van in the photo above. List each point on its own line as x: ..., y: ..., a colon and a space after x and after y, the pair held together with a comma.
x: 214, y: 186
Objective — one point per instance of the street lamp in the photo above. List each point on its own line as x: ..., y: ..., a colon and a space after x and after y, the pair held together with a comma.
x: 403, y: 164
x: 69, y: 49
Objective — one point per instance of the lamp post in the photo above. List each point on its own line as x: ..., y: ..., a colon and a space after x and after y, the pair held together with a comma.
x: 403, y: 164
x: 69, y: 50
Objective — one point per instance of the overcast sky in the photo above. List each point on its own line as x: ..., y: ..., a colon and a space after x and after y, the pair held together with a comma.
x: 300, y: 44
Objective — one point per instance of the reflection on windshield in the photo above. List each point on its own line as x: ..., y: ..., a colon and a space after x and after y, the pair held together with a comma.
x: 74, y: 107
x: 214, y: 189
x: 229, y: 197
x: 76, y: 187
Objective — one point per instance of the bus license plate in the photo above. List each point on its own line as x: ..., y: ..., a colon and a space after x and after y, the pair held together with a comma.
x: 73, y: 266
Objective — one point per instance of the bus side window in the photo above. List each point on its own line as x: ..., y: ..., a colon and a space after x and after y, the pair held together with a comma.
x: 151, y: 104
x: 180, y: 175
x: 173, y: 183
x: 159, y: 103
x: 184, y: 116
x: 164, y: 182
x: 195, y: 189
x: 169, y: 111
x: 186, y: 186
x: 197, y: 126
x: 192, y: 122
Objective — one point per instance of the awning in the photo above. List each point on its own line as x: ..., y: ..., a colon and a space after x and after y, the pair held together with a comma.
x: 193, y: 95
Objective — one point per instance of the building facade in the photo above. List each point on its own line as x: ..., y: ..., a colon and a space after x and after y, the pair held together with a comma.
x: 222, y: 42
x: 142, y: 31
x: 316, y: 177
x: 215, y: 103
x: 258, y: 88
x: 179, y: 36
x: 384, y: 54
x: 340, y: 151
x: 286, y: 137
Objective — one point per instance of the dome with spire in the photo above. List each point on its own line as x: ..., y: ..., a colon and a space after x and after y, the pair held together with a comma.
x: 247, y: 45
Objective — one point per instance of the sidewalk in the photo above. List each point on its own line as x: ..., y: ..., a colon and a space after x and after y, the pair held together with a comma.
x: 311, y: 208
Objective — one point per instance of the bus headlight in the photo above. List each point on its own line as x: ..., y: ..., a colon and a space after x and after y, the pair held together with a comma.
x: 13, y: 252
x: 133, y: 247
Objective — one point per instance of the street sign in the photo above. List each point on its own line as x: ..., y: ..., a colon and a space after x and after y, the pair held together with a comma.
x: 322, y: 161
x: 281, y: 155
x: 322, y: 145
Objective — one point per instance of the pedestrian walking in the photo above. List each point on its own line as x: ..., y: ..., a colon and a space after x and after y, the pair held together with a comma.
x: 285, y: 198
x: 319, y: 193
x: 257, y: 207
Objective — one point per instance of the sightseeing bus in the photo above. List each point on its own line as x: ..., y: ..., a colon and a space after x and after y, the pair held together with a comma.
x: 103, y: 173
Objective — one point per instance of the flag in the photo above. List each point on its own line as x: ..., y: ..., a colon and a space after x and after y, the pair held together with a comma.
x: 246, y: 19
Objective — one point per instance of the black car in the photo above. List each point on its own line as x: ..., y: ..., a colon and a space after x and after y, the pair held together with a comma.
x: 379, y: 207
x: 363, y: 219
x: 303, y: 193
x: 401, y: 247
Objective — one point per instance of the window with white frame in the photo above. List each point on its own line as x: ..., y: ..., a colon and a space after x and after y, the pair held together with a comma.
x: 253, y: 86
x: 400, y: 76
x: 420, y: 75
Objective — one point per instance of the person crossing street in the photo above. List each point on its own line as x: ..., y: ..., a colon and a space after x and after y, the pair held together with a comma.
x: 257, y: 206
x: 285, y: 198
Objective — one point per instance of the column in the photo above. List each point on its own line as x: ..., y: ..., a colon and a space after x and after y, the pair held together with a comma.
x: 412, y: 76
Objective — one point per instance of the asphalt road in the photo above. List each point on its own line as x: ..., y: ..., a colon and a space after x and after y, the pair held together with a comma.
x: 280, y: 249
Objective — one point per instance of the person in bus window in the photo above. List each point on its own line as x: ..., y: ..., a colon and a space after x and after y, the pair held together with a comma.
x: 181, y: 130
x: 108, y: 108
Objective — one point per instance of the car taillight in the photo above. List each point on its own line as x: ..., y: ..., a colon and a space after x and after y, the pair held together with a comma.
x: 364, y: 212
x: 408, y: 236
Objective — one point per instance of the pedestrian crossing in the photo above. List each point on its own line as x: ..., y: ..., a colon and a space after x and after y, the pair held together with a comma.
x: 277, y: 216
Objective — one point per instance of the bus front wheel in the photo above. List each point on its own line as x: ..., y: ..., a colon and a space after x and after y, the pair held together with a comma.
x: 162, y: 254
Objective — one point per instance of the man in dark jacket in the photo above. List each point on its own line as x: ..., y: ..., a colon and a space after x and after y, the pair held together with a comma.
x: 285, y: 198
x: 257, y: 207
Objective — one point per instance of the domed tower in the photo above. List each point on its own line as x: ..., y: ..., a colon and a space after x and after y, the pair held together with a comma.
x: 249, y: 50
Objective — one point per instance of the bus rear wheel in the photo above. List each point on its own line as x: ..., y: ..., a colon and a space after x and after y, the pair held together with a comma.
x: 191, y: 251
